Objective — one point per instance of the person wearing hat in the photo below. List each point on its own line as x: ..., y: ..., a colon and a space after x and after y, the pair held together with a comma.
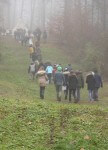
x: 42, y: 79
x: 59, y: 80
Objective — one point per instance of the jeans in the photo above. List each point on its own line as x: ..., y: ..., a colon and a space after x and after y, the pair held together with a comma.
x: 91, y: 95
x: 72, y: 92
x: 42, y: 91
x: 59, y: 92
x: 95, y: 95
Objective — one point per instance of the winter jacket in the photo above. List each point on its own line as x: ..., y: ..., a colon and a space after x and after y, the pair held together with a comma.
x: 31, y: 50
x: 42, y: 79
x: 80, y: 81
x: 34, y: 56
x: 73, y: 82
x: 90, y: 80
x: 59, y: 78
x: 69, y: 68
x: 98, y: 81
x: 66, y: 76
x: 49, y: 69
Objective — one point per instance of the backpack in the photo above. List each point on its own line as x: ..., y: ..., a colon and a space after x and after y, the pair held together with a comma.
x: 32, y: 68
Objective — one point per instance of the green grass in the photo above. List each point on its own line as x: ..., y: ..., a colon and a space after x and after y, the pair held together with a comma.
x: 27, y: 123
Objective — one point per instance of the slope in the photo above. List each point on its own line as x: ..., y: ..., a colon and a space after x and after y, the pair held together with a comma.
x: 27, y: 123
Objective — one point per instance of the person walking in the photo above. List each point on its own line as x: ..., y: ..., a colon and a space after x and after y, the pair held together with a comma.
x: 66, y: 76
x: 80, y: 84
x: 59, y: 81
x: 42, y: 79
x: 49, y: 71
x: 90, y: 80
x: 54, y: 70
x: 45, y: 36
x: 31, y: 50
x: 73, y: 83
x: 34, y: 56
x: 69, y: 67
x: 32, y: 70
x: 98, y: 84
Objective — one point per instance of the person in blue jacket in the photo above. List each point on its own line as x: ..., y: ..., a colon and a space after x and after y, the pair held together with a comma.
x: 49, y: 71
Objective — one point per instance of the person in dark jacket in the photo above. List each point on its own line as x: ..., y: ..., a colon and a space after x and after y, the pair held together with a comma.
x: 45, y: 36
x: 34, y: 56
x: 73, y: 82
x: 90, y: 80
x: 59, y: 81
x: 80, y: 84
x: 69, y: 67
x: 98, y: 84
x: 66, y: 76
x: 37, y: 34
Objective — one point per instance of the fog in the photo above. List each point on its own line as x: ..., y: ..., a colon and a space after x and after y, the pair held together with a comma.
x: 76, y: 25
x: 31, y: 12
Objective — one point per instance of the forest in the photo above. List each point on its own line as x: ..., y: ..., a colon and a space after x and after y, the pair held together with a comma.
x: 53, y: 74
x: 78, y: 26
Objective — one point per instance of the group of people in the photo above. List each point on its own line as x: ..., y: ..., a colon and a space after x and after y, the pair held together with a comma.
x: 67, y: 81
x: 26, y: 37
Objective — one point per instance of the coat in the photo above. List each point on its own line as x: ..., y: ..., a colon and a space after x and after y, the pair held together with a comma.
x: 80, y: 81
x: 90, y: 80
x: 42, y: 78
x: 59, y: 78
x: 98, y: 81
x: 49, y: 69
x: 31, y: 50
x: 73, y: 82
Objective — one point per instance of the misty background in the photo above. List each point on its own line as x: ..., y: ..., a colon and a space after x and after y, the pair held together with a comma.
x: 80, y: 27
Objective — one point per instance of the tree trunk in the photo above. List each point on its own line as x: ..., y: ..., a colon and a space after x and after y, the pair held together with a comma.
x: 14, y: 15
x: 33, y: 4
x: 104, y: 15
x: 22, y: 9
x: 92, y: 12
x: 43, y: 14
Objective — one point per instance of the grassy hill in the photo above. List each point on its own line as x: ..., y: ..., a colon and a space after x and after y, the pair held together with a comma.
x: 28, y: 123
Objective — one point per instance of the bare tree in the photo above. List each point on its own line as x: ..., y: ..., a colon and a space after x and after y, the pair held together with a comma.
x: 33, y: 4
x: 43, y: 14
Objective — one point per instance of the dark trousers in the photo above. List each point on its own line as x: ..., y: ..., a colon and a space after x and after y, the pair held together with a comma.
x: 59, y: 92
x: 49, y: 77
x: 66, y: 92
x: 72, y: 92
x: 42, y: 91
x: 78, y: 93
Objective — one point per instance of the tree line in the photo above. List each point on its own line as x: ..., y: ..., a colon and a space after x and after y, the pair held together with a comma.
x: 80, y: 26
